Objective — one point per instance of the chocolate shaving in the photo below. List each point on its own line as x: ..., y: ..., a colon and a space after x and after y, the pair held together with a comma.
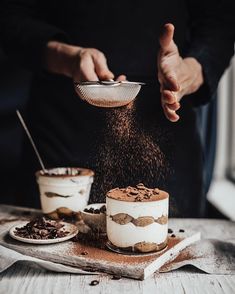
x: 41, y: 228
x: 137, y: 194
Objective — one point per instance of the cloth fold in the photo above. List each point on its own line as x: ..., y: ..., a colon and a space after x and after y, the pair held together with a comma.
x: 211, y: 256
x: 10, y: 257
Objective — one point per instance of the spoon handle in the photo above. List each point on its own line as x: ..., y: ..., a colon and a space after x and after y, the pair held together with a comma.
x: 31, y: 140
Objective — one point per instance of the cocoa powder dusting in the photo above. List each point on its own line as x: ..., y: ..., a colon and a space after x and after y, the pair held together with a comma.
x: 128, y: 154
x: 99, y: 253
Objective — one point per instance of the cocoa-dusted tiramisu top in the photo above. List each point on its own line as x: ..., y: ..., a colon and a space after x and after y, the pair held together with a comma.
x: 140, y: 193
x: 65, y: 172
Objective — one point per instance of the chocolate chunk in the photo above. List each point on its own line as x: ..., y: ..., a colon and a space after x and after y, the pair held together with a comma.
x: 42, y: 228
x: 181, y: 231
x: 156, y: 191
x: 134, y: 192
x: 140, y: 186
x: 94, y: 283
x: 170, y: 231
x: 138, y: 198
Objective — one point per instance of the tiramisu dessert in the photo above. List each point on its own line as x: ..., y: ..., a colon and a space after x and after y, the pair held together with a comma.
x: 137, y: 218
x: 64, y: 191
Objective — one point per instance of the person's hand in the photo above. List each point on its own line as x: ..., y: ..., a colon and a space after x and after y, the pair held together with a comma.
x: 177, y: 76
x: 81, y: 64
x: 91, y: 65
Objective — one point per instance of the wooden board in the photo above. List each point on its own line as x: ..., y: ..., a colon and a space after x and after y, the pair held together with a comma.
x: 22, y: 278
x: 100, y: 259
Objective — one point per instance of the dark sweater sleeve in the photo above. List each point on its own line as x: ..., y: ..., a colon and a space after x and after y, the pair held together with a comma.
x: 211, y: 42
x: 24, y: 33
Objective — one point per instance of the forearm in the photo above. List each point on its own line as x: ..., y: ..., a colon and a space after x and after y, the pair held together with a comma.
x: 192, y: 69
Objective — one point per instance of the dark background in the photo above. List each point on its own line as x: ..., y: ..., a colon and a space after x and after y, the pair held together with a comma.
x: 14, y: 94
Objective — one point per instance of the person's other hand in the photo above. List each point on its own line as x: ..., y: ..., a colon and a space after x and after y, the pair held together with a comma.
x: 177, y: 76
x: 81, y: 64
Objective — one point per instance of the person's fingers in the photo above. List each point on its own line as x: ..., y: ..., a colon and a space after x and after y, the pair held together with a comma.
x: 170, y: 114
x: 87, y: 68
x: 121, y: 78
x: 174, y: 106
x: 170, y: 81
x: 101, y: 67
x: 166, y: 39
x: 169, y: 97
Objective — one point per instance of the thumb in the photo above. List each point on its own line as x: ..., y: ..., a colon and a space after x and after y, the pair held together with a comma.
x: 166, y: 38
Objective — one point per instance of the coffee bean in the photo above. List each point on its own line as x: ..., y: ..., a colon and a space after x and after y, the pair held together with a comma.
x: 84, y: 253
x: 94, y: 283
x: 42, y: 228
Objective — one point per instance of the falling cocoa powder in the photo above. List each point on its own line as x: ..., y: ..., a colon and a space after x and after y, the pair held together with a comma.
x: 128, y: 154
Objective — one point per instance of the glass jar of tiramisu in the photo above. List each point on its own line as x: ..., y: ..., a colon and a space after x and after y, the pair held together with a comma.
x: 137, y: 218
x: 64, y: 191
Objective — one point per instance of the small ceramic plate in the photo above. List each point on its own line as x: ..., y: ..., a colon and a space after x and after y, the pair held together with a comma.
x: 113, y: 248
x: 72, y: 229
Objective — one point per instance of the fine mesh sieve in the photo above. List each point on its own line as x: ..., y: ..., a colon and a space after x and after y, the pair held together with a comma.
x: 108, y: 93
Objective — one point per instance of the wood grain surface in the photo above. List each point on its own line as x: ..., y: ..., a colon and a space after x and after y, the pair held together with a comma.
x: 21, y: 278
